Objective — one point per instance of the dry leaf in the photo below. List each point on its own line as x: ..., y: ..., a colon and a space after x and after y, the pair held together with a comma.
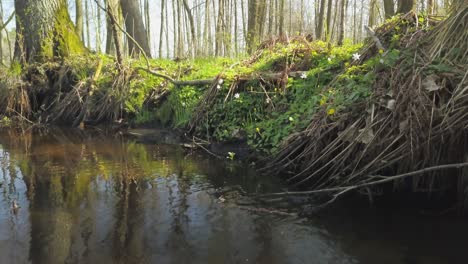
x: 430, y: 84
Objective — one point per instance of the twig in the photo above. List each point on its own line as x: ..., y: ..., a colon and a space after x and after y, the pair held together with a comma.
x: 4, y: 25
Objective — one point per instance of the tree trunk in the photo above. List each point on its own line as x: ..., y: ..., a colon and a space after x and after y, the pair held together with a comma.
x: 113, y: 7
x: 372, y: 13
x: 161, y: 31
x: 219, y: 29
x: 389, y: 7
x: 98, y: 27
x: 79, y: 17
x: 45, y: 30
x: 251, y: 23
x: 207, y: 41
x: 321, y: 19
x: 1, y: 33
x: 112, y: 15
x: 135, y: 27
x: 405, y: 6
x: 281, y: 18
x: 261, y: 18
x: 344, y: 5
x: 329, y: 20
x: 148, y: 22
x: 192, y: 28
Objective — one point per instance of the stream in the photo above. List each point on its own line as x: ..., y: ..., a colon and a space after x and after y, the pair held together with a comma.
x: 69, y: 196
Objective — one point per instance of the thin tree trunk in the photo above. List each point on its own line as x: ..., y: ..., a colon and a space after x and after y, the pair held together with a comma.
x: 251, y: 25
x: 219, y: 29
x: 361, y: 21
x: 88, y: 34
x: 207, y: 30
x: 430, y: 7
x: 244, y: 23
x: 148, y: 22
x: 344, y: 8
x: 174, y: 22
x: 161, y: 31
x: 261, y: 17
x: 329, y: 20
x: 180, y: 34
x: 321, y: 19
x: 167, y: 30
x: 270, y: 17
x: 372, y: 13
x: 110, y: 44
x: 281, y: 18
x: 112, y: 15
x: 79, y: 17
x: 236, y: 42
x: 192, y: 28
x: 355, y: 22
x: 1, y: 33
x: 98, y: 28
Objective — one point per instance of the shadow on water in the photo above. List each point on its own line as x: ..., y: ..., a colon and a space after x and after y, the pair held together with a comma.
x: 97, y: 198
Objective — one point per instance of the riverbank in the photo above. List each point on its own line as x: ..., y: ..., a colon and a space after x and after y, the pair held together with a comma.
x: 328, y: 118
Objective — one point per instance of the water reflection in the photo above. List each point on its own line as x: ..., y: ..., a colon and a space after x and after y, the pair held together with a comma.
x: 97, y: 198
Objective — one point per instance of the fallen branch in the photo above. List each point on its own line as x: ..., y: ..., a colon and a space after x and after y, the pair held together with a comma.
x: 377, y: 41
x: 345, y: 189
x: 265, y: 76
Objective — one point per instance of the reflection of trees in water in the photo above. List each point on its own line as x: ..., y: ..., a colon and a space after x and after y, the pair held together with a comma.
x: 87, y: 201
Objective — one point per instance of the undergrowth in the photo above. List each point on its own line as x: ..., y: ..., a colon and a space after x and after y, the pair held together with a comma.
x: 328, y: 79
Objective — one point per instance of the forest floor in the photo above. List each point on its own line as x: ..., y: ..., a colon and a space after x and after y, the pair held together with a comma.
x: 329, y: 115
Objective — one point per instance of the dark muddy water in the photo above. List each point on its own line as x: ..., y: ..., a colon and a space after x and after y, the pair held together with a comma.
x: 74, y: 197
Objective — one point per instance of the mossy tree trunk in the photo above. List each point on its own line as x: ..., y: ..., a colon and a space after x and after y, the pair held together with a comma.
x: 44, y: 31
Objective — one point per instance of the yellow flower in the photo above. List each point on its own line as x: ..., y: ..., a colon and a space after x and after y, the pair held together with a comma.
x: 257, y: 129
x: 331, y: 111
x: 323, y: 101
x: 381, y: 51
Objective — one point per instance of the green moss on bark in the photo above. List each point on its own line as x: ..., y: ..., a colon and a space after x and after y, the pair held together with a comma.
x: 66, y: 41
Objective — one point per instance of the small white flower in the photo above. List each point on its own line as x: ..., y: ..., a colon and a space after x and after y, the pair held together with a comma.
x: 268, y: 100
x: 356, y: 56
x: 291, y: 119
x: 303, y: 75
x: 329, y: 59
x: 381, y: 61
x: 218, y: 87
x: 237, y: 95
x: 220, y: 81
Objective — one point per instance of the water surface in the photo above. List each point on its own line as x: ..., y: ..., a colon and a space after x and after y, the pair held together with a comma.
x: 98, y: 198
